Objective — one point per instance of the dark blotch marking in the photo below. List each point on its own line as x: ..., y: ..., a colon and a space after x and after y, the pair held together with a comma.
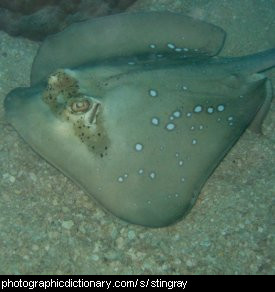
x: 60, y: 84
x: 94, y: 137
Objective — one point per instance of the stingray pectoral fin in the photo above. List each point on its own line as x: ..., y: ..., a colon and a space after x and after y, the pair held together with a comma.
x: 126, y: 35
x: 17, y: 101
x: 46, y: 131
x: 256, y: 124
x: 24, y: 109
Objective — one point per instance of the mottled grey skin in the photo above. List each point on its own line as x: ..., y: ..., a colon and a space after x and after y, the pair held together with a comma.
x: 143, y: 138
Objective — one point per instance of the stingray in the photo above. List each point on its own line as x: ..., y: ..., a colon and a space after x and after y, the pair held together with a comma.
x: 138, y: 111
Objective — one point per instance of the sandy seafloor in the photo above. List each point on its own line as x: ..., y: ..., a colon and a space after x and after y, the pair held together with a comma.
x: 49, y: 226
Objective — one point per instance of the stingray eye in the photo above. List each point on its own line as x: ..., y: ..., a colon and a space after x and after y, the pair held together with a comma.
x: 80, y: 106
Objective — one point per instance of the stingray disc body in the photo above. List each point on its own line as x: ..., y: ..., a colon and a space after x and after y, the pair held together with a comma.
x: 141, y: 142
x: 139, y: 120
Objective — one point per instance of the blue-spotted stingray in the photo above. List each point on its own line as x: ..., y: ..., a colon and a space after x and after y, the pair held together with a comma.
x: 138, y: 111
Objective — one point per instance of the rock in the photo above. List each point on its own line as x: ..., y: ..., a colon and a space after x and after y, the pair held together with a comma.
x: 35, y: 19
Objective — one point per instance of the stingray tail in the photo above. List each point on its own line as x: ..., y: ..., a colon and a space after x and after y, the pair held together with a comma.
x: 252, y: 63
